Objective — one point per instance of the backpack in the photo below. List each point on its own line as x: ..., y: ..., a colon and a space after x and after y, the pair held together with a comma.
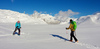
x: 74, y: 24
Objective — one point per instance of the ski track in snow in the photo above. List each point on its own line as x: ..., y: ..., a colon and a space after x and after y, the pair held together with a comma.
x: 88, y: 46
x: 81, y: 44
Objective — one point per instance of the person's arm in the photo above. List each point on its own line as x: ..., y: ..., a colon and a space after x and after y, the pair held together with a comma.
x: 20, y: 25
x: 16, y: 25
x: 69, y: 27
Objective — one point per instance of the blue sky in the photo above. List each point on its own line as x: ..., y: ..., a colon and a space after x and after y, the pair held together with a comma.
x: 84, y: 7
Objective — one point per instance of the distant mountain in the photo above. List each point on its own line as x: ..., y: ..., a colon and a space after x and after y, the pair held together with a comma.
x: 8, y: 16
x: 90, y: 19
x: 45, y: 17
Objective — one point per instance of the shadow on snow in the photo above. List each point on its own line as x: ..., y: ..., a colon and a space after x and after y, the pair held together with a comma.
x: 59, y: 37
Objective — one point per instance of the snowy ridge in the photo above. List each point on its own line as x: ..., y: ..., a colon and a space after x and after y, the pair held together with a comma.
x: 8, y: 16
x: 45, y: 17
x: 67, y: 21
x: 94, y: 19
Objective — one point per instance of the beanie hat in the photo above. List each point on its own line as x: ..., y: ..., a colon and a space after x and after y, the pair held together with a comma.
x: 71, y: 20
x: 18, y: 21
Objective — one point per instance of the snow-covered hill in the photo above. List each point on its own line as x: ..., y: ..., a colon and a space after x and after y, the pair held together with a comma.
x: 8, y: 16
x: 90, y: 19
x: 68, y: 20
x: 45, y: 17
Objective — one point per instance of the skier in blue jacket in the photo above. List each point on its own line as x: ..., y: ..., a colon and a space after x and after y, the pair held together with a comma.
x: 18, y: 26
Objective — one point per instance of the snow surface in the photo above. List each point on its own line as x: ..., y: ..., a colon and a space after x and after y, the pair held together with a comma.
x: 48, y: 37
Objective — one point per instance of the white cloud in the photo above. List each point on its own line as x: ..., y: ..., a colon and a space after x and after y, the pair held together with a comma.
x: 64, y: 15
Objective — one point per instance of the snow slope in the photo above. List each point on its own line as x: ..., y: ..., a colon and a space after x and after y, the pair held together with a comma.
x: 90, y: 19
x: 45, y: 17
x: 8, y: 16
x: 48, y: 37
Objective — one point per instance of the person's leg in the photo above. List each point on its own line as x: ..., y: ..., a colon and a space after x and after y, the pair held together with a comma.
x: 19, y: 32
x: 14, y: 31
x: 74, y: 36
x: 71, y: 36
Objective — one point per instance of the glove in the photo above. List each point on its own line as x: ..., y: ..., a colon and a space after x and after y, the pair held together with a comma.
x: 66, y: 28
x: 17, y: 27
x: 20, y: 27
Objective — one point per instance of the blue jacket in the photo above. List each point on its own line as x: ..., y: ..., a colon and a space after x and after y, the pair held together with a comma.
x: 18, y: 25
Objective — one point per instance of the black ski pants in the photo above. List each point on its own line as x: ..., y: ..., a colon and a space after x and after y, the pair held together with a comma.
x: 18, y: 30
x: 73, y: 36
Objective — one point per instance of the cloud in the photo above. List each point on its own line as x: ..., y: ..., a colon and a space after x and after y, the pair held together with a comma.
x: 64, y: 15
x: 12, y: 1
